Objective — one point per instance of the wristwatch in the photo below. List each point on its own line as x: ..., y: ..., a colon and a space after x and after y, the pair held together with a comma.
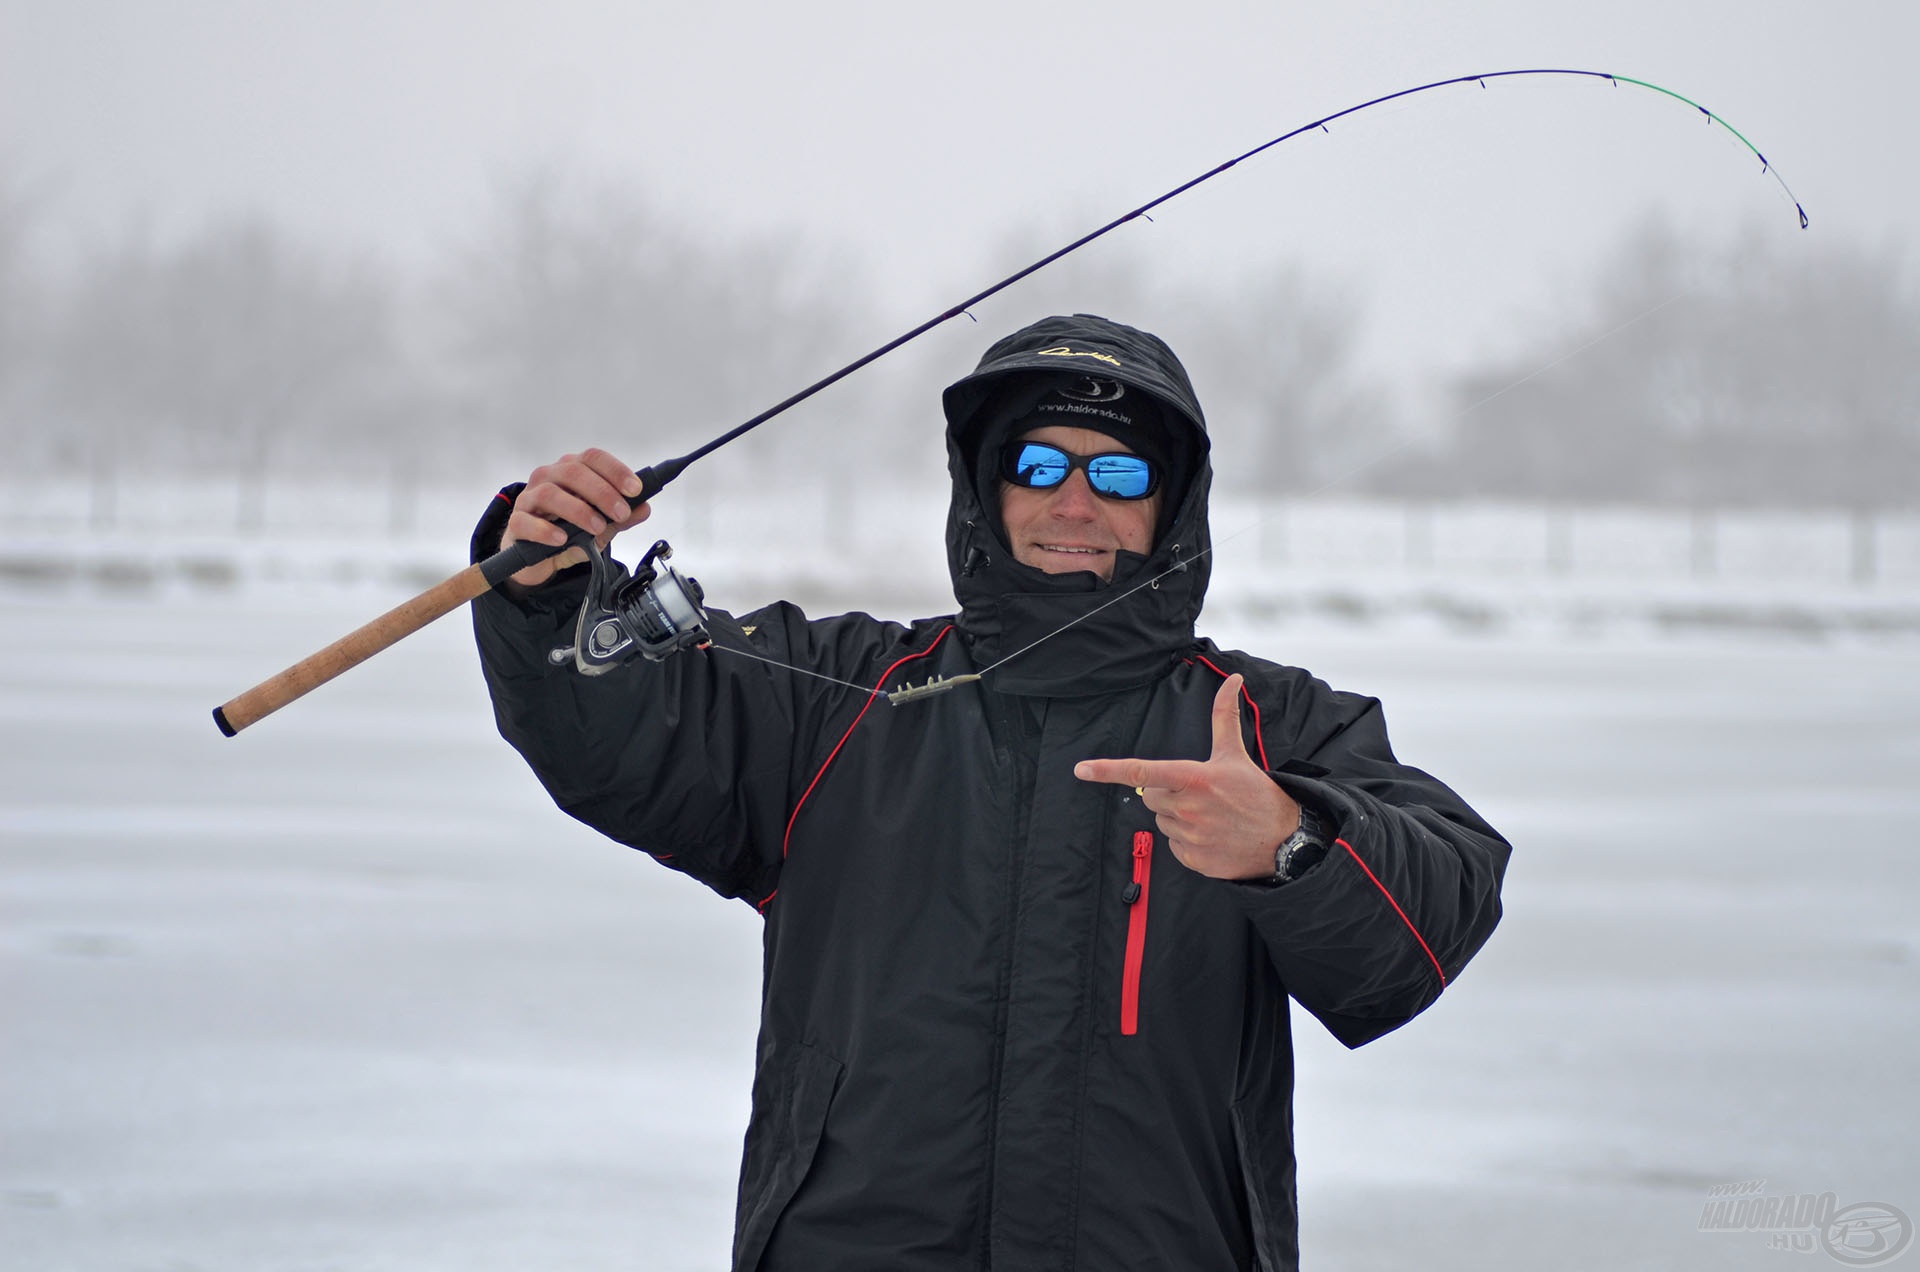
x: 1302, y: 850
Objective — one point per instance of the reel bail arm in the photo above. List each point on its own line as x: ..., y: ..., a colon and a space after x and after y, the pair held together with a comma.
x: 655, y: 612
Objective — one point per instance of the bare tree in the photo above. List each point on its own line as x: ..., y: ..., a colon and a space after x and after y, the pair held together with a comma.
x: 1738, y: 373
x: 21, y: 305
x: 1284, y: 394
x: 588, y: 316
x: 223, y: 354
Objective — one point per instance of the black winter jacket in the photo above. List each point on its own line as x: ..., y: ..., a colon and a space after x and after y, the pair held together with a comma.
x: 1002, y: 1027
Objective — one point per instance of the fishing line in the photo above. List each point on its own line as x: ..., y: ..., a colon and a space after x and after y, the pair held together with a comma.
x: 775, y: 662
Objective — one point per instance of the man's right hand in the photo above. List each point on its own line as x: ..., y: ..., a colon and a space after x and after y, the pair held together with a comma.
x: 590, y: 490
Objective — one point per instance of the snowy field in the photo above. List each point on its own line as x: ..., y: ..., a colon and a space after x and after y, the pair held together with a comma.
x: 346, y: 993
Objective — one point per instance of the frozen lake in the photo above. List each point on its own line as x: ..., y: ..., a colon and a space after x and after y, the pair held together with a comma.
x: 346, y: 992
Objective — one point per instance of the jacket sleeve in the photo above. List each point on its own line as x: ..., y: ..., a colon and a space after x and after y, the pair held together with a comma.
x: 1406, y: 894
x: 694, y: 760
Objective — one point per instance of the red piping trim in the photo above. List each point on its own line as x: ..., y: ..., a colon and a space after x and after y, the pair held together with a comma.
x: 871, y: 699
x: 1425, y: 948
x: 501, y: 495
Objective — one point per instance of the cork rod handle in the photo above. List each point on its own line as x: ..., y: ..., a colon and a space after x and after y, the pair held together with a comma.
x: 357, y: 646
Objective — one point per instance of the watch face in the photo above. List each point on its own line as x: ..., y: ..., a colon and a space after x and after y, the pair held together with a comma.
x: 1283, y: 857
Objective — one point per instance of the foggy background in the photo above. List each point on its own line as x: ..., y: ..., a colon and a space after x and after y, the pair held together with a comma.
x: 1535, y: 411
x: 437, y: 241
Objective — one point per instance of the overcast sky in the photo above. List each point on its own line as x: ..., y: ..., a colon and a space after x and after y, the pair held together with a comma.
x: 917, y: 141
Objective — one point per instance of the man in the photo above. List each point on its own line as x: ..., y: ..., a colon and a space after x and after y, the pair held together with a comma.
x: 1030, y: 942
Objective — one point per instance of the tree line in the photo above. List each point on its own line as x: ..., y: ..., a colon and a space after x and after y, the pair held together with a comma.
x: 1686, y: 372
x: 1701, y: 374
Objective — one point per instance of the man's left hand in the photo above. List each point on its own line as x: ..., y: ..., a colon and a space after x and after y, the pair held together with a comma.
x: 1223, y: 816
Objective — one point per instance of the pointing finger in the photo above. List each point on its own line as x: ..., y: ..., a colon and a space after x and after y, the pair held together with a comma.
x: 1171, y: 774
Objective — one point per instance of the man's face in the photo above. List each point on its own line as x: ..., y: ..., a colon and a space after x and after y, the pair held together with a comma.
x: 1068, y: 527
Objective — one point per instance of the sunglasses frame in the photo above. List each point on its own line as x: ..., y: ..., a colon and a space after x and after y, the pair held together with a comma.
x: 1010, y: 469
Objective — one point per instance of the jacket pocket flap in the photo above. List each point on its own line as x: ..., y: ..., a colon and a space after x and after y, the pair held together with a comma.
x: 1266, y: 1169
x: 782, y: 1140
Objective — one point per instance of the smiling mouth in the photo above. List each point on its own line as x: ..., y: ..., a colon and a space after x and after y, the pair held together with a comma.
x: 1060, y: 547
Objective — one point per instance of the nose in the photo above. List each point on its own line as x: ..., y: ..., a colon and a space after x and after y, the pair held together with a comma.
x: 1074, y: 500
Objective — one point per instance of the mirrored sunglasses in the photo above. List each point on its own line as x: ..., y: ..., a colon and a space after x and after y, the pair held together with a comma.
x: 1039, y: 466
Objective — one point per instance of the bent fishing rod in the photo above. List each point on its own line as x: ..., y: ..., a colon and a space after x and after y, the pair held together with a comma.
x: 655, y: 611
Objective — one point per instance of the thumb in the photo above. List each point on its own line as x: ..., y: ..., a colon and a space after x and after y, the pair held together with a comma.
x: 1227, y: 742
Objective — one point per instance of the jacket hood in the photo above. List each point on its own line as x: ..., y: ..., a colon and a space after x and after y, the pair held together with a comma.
x: 1103, y: 643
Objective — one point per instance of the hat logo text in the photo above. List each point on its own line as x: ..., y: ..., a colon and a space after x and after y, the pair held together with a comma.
x: 1062, y: 351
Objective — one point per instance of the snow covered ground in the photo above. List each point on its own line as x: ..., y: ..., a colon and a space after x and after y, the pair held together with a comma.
x: 346, y: 992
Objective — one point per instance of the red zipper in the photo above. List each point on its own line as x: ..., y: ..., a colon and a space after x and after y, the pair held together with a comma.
x: 1136, y: 899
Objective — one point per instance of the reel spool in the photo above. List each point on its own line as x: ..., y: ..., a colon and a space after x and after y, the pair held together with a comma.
x: 654, y: 612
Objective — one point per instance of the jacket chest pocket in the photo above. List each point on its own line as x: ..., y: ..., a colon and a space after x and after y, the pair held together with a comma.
x: 1136, y: 894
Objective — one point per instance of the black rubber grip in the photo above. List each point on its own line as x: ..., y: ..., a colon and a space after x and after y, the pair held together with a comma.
x: 510, y: 560
x: 650, y: 483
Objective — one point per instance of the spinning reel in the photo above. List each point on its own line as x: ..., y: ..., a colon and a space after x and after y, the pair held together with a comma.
x: 653, y: 612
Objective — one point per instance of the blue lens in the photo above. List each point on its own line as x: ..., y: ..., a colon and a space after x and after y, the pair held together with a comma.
x: 1039, y: 466
x: 1123, y: 476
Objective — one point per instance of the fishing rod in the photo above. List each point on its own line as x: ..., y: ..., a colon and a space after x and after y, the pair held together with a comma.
x: 655, y: 611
